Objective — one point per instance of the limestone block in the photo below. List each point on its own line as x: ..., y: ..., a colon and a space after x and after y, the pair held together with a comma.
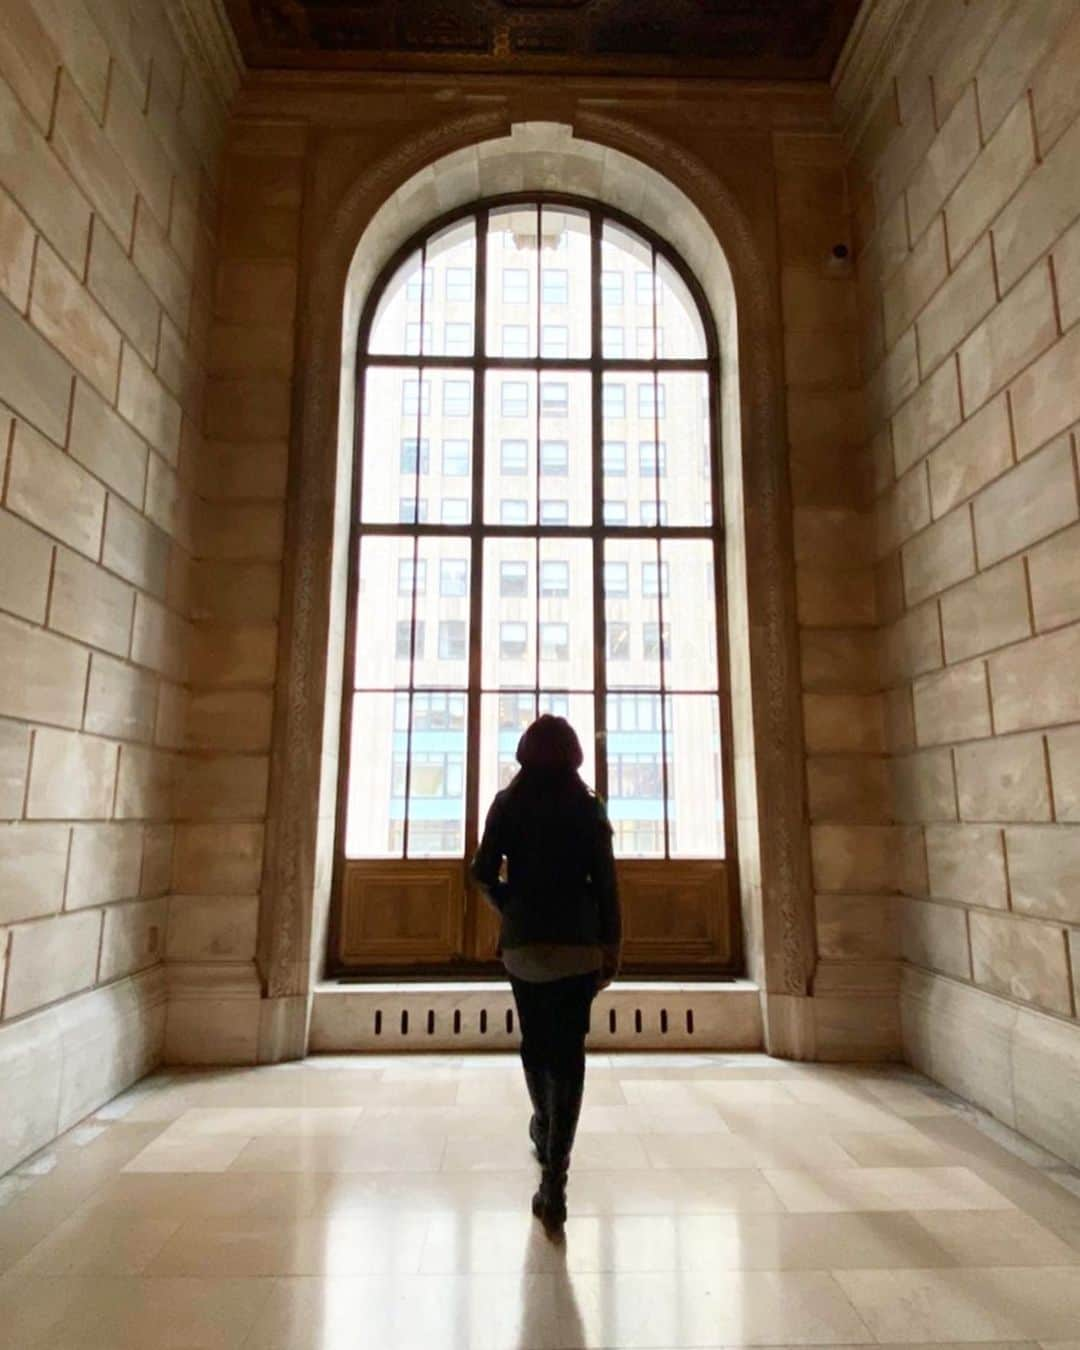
x: 247, y: 654
x: 251, y: 593
x: 157, y: 860
x: 1016, y: 331
x: 225, y: 859
x: 809, y: 363
x: 104, y: 443
x: 956, y: 63
x: 240, y: 530
x: 1003, y: 779
x: 93, y: 162
x: 855, y: 858
x: 1044, y: 870
x: 881, y: 452
x: 940, y: 557
x: 230, y: 720
x: 1046, y: 205
x: 899, y: 720
x: 923, y: 787
x: 14, y: 757
x: 33, y: 863
x: 168, y: 501
x: 258, y: 291
x: 953, y: 705
x: 16, y: 252
x: 889, y: 589
x: 895, y: 379
x: 81, y: 47
x: 106, y: 861
x: 129, y: 131
x: 1024, y: 39
x: 148, y: 405
x: 71, y: 319
x: 1064, y: 750
x: 977, y: 452
x: 948, y: 159
x: 843, y: 722
x: 172, y: 714
x: 1054, y: 571
x: 261, y: 207
x: 935, y: 937
x: 902, y: 510
x: 135, y: 548
x: 120, y: 700
x: 958, y: 306
x: 833, y: 660
x: 248, y: 408
x: 907, y: 148
x: 34, y: 379
x: 825, y: 598
x: 1054, y: 96
x: 133, y: 938
x: 212, y: 927
x: 1035, y: 683
x: 31, y: 1070
x: 1021, y: 959
x: 255, y: 472
x: 915, y: 281
x: 1046, y: 397
x: 927, y: 417
x: 49, y: 489
x: 39, y: 183
x: 827, y: 537
x: 122, y: 293
x: 24, y: 578
x: 852, y: 788
x: 89, y: 604
x: 145, y: 784
x: 42, y: 677
x: 1066, y: 275
x: 159, y: 639
x: 988, y: 611
x: 911, y: 878
x: 51, y: 959
x: 857, y: 927
x: 1046, y: 1082
x: 1006, y: 159
x: 853, y: 1027
x: 72, y: 776
x: 912, y: 645
x: 213, y: 1030
x: 28, y: 60
x: 223, y: 787
x: 967, y: 863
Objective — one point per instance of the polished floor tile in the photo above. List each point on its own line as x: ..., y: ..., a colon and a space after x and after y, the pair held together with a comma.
x: 383, y: 1202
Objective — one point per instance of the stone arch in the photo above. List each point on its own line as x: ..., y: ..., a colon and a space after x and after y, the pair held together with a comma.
x: 612, y: 162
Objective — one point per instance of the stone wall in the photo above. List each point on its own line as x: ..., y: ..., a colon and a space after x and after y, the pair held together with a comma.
x: 968, y: 199
x: 110, y: 120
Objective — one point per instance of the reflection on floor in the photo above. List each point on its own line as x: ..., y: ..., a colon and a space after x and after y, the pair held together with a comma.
x: 383, y: 1202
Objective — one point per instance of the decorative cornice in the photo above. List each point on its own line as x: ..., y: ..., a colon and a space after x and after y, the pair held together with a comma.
x: 874, y: 50
x: 208, y: 39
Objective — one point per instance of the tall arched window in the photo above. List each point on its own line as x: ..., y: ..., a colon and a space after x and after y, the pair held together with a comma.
x: 535, y: 513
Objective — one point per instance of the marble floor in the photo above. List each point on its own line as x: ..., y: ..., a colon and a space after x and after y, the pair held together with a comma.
x: 383, y: 1202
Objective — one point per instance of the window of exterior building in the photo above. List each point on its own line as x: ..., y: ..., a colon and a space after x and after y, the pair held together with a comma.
x: 565, y: 581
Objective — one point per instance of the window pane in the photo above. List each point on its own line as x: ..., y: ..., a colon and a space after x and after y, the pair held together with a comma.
x: 554, y: 398
x: 614, y: 512
x: 404, y: 417
x: 455, y: 458
x: 695, y: 800
x: 376, y: 740
x: 624, y: 301
x: 398, y: 307
x: 635, y: 770
x: 627, y: 611
x: 503, y: 717
x: 449, y: 315
x: 436, y: 786
x: 565, y: 295
x: 691, y: 610
x: 454, y: 577
x: 513, y: 458
x: 384, y: 610
x: 612, y: 337
x: 444, y: 611
x: 685, y: 435
x: 566, y: 617
x: 512, y: 278
x: 510, y: 438
x: 554, y: 511
x: 681, y: 332
x: 509, y: 659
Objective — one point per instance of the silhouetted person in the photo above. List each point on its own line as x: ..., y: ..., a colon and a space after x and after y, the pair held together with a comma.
x: 561, y: 932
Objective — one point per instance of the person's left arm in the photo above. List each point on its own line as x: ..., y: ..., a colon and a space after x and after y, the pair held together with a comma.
x: 487, y: 861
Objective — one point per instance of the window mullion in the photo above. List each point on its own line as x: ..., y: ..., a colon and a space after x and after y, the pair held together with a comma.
x: 476, y: 517
x: 596, y: 447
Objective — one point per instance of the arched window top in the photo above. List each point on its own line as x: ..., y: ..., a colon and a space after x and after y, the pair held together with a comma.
x: 547, y: 279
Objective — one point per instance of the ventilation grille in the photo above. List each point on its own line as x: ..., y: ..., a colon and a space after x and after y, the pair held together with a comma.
x: 374, y: 1018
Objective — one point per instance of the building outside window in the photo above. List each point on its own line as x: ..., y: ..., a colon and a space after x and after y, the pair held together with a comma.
x: 554, y: 578
x: 514, y: 578
x: 554, y: 459
x: 457, y: 398
x: 554, y: 511
x: 513, y: 640
x: 452, y: 640
x: 515, y: 288
x: 453, y: 577
x: 514, y: 458
x: 614, y: 455
x: 409, y: 456
x: 554, y: 398
x: 514, y: 398
x: 407, y: 571
x: 555, y: 286
x: 455, y: 458
x: 515, y: 339
x: 650, y: 463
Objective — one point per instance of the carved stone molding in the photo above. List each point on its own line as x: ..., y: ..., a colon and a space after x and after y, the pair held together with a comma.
x: 209, y: 41
x: 873, y: 52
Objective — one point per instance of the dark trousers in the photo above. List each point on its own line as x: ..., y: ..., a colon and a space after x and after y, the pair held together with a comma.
x: 554, y: 1020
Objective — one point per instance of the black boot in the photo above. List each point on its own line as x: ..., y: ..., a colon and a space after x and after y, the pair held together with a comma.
x: 549, y: 1202
x: 539, y: 1124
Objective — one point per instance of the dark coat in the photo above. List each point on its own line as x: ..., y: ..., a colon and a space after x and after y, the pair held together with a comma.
x: 560, y: 880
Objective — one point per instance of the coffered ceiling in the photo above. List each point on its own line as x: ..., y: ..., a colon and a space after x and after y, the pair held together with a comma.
x: 740, y: 39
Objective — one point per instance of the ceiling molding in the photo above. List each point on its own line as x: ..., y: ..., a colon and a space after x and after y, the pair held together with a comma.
x: 209, y: 41
x: 874, y: 50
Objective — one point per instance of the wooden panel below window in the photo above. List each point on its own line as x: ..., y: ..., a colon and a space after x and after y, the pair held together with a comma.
x: 676, y: 914
x: 402, y: 913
